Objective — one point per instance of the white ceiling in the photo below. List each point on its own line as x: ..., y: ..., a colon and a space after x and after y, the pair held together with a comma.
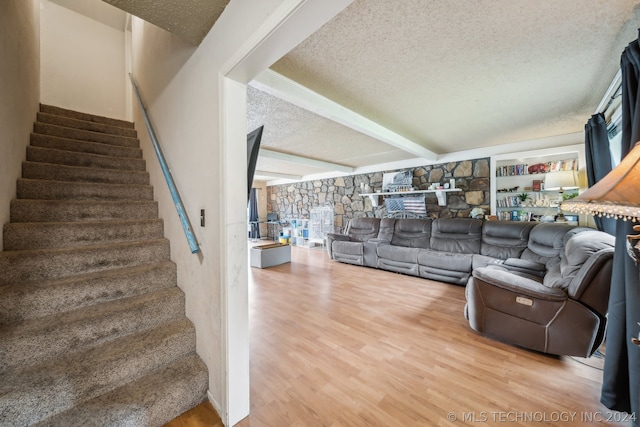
x: 446, y: 75
x: 386, y: 82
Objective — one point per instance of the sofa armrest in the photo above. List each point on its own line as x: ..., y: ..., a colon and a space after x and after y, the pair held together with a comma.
x: 525, y: 266
x: 331, y: 237
x: 371, y: 251
x: 336, y: 236
x: 518, y: 284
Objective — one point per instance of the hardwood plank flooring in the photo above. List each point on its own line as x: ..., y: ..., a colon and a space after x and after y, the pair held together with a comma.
x: 340, y: 345
x: 202, y: 415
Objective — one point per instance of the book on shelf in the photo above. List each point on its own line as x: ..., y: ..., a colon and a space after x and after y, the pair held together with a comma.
x: 551, y: 166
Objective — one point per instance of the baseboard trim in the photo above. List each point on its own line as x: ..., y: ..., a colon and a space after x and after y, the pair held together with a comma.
x: 217, y: 407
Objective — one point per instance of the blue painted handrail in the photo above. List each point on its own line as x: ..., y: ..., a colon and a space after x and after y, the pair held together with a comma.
x: 184, y: 218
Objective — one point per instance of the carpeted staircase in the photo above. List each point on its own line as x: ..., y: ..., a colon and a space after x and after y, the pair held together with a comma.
x: 92, y: 324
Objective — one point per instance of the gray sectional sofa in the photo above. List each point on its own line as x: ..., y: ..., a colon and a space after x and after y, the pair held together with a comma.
x: 445, y: 249
x: 537, y: 285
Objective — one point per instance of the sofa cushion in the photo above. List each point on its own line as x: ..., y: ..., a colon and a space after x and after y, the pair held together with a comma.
x: 579, y: 249
x: 505, y: 239
x: 387, y: 226
x: 398, y: 253
x: 398, y: 259
x: 412, y: 233
x: 445, y: 260
x: 349, y: 252
x: 480, y: 261
x: 545, y: 243
x: 363, y: 229
x: 456, y: 235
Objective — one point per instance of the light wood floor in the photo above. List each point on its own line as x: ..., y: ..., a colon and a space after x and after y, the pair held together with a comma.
x: 340, y: 345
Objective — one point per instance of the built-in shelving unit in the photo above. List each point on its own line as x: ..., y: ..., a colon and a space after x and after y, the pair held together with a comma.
x: 441, y: 195
x: 512, y: 174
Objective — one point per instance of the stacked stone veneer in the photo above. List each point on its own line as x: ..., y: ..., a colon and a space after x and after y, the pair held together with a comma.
x: 343, y: 193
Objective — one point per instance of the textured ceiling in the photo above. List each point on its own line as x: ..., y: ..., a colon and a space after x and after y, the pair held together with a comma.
x: 292, y: 130
x: 451, y: 75
x: 446, y: 75
x: 191, y: 20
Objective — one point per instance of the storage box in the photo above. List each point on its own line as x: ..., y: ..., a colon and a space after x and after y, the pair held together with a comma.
x: 269, y: 255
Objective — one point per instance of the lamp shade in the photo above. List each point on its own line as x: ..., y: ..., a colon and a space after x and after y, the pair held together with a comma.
x: 561, y: 181
x: 616, y: 195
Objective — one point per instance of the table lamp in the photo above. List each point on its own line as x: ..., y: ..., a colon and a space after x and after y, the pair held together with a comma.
x: 561, y: 181
x: 617, y: 195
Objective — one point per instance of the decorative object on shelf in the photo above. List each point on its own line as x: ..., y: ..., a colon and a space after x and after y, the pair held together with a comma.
x: 561, y: 181
x: 397, y: 181
x: 537, y: 168
x: 508, y: 190
x: 523, y: 198
x: 441, y: 195
x: 477, y: 213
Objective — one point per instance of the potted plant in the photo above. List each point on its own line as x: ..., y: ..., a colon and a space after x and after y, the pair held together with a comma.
x: 523, y: 198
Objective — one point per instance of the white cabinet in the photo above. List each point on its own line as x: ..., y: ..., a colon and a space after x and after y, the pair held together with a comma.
x: 299, y: 231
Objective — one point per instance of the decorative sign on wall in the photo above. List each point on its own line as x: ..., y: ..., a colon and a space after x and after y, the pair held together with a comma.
x: 397, y: 181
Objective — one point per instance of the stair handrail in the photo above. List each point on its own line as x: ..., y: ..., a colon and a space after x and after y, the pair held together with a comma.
x: 175, y: 195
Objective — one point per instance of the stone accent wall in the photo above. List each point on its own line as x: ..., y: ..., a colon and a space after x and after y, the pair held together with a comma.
x: 343, y: 193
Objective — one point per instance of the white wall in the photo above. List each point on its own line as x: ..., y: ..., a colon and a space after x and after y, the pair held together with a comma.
x: 19, y: 90
x: 82, y: 63
x: 200, y: 120
x: 180, y: 89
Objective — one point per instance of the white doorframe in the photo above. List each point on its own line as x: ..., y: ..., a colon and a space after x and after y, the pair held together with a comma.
x: 289, y: 24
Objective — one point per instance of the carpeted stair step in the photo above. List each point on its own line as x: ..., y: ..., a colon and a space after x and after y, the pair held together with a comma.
x: 61, y: 384
x: 43, y: 264
x: 34, y: 341
x: 49, y: 235
x: 58, y: 111
x: 69, y: 122
x: 75, y: 145
x: 85, y: 135
x: 50, y: 171
x: 24, y: 301
x: 72, y: 158
x: 150, y: 401
x: 92, y: 324
x: 57, y: 190
x: 31, y: 210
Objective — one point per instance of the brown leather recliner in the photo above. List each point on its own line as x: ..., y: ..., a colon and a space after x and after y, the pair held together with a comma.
x: 562, y: 313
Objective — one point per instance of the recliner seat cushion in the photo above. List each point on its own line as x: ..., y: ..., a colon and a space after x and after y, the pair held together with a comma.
x: 505, y: 239
x: 398, y: 259
x: 456, y: 235
x: 578, y: 249
x: 363, y: 229
x: 445, y: 266
x: 445, y: 260
x: 412, y: 233
x: 545, y: 243
x: 349, y: 252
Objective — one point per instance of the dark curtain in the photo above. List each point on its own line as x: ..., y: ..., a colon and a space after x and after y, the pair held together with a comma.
x: 253, y: 214
x: 598, y: 161
x: 621, y: 381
